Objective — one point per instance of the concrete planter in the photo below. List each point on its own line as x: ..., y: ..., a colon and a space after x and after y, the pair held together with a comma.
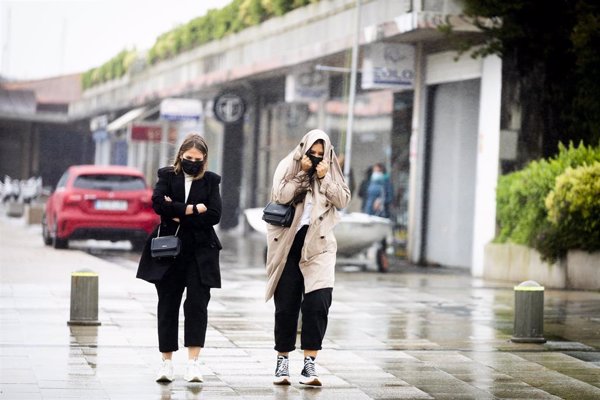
x: 584, y: 270
x: 33, y: 214
x: 14, y: 209
x: 517, y: 263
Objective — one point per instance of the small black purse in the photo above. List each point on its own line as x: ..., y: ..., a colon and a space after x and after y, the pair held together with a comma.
x: 279, y: 214
x: 165, y: 246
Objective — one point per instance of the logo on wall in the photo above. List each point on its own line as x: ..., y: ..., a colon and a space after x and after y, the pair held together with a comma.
x: 306, y: 85
x: 229, y: 108
x: 389, y: 66
x: 176, y: 109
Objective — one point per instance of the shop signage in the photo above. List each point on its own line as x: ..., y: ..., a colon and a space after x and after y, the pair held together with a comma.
x: 146, y: 132
x: 388, y: 66
x: 229, y: 108
x: 98, y: 123
x: 174, y: 109
x: 306, y: 85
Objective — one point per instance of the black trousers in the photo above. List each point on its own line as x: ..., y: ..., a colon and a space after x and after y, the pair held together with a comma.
x: 182, y: 274
x: 290, y: 299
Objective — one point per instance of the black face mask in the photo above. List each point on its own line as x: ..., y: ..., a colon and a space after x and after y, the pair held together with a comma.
x: 191, y: 167
x: 314, y: 160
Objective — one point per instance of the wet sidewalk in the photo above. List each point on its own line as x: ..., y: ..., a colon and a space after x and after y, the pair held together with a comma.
x: 412, y: 333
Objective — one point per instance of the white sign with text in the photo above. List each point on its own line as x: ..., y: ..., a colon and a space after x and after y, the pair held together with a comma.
x: 388, y: 66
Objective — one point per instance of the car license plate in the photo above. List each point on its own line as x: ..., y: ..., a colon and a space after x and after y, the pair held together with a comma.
x: 111, y: 205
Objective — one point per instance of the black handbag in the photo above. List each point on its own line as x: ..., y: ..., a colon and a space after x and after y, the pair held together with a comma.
x: 279, y: 214
x: 165, y: 246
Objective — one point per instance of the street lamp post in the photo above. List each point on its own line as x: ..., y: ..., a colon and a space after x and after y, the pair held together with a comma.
x: 352, y: 96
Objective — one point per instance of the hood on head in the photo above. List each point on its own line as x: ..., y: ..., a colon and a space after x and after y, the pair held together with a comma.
x: 309, y: 139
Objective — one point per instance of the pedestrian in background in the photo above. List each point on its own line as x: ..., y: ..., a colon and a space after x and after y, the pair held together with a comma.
x: 379, y: 193
x: 379, y: 198
x: 301, y: 258
x: 364, y: 185
x: 187, y: 198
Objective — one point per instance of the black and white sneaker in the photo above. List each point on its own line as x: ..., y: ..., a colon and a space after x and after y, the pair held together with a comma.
x: 282, y: 371
x: 309, y: 374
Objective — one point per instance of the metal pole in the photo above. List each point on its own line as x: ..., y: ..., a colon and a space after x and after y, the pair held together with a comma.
x: 529, y: 313
x: 351, y: 98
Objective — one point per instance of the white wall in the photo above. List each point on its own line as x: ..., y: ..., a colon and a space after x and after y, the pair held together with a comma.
x: 484, y: 224
x: 440, y: 68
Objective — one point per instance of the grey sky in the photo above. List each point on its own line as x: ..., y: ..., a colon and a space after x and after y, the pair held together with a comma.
x: 47, y: 38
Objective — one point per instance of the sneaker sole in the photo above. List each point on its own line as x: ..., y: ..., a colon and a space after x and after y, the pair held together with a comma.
x: 164, y: 379
x: 282, y: 380
x: 194, y: 379
x: 311, y: 382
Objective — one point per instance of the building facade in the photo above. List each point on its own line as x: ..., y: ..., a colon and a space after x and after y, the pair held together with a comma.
x: 434, y: 124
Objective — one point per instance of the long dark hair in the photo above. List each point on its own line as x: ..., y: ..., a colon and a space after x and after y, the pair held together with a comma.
x: 192, y: 141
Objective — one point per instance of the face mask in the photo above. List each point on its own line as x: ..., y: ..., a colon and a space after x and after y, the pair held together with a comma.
x: 314, y: 160
x: 191, y: 167
x: 377, y: 176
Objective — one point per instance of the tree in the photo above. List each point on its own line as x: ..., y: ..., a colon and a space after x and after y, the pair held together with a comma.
x: 554, y: 49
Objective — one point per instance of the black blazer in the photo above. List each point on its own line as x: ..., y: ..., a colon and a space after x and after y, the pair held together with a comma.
x: 195, y: 230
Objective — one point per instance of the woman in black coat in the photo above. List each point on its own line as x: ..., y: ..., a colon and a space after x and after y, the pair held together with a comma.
x: 187, y: 198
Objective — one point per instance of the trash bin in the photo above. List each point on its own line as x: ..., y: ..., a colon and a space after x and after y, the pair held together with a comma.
x: 529, y: 313
x: 84, y: 298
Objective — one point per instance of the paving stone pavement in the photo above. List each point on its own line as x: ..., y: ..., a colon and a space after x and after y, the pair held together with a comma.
x: 413, y: 333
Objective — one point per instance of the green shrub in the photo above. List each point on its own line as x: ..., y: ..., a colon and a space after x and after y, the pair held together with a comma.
x: 574, y: 212
x: 114, y: 68
x: 520, y: 198
x: 215, y: 24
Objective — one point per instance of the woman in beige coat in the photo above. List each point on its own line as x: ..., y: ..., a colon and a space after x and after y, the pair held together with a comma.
x: 301, y: 258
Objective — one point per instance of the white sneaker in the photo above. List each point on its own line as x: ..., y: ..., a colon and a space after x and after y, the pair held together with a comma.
x: 165, y: 372
x: 192, y: 371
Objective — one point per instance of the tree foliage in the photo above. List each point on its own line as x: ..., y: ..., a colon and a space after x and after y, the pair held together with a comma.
x: 554, y: 46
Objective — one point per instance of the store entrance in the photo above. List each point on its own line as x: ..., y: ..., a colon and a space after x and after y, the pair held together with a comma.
x: 400, y: 167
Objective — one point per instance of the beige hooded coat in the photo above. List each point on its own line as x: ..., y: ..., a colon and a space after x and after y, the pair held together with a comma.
x: 317, y: 262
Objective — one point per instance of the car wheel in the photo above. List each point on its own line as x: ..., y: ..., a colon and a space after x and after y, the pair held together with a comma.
x: 57, y: 242
x: 60, y: 243
x: 45, y: 231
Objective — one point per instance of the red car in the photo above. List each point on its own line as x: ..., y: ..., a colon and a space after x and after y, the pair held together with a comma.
x: 99, y: 202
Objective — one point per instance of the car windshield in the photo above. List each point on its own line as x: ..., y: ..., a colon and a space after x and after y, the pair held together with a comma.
x: 109, y: 182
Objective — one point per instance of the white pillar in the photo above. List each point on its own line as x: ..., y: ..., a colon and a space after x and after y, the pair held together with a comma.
x: 417, y: 161
x: 488, y: 152
x: 164, y: 145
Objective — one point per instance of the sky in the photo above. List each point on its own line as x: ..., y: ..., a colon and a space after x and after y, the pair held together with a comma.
x: 40, y: 39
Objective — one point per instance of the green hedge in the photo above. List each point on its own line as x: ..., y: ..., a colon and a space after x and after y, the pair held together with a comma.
x: 217, y: 23
x: 114, y: 68
x: 574, y: 212
x: 522, y: 215
x: 214, y: 25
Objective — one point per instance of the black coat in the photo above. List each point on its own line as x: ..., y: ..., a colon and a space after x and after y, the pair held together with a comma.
x: 195, y: 230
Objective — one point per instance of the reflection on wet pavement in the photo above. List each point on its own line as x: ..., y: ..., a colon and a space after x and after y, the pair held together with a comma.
x: 413, y: 333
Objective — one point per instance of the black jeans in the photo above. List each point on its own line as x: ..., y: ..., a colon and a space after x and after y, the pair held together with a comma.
x: 290, y: 298
x: 182, y: 274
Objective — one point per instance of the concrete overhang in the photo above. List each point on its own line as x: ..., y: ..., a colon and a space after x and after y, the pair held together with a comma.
x: 126, y: 118
x: 274, y: 48
x: 419, y: 26
x: 41, y: 117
